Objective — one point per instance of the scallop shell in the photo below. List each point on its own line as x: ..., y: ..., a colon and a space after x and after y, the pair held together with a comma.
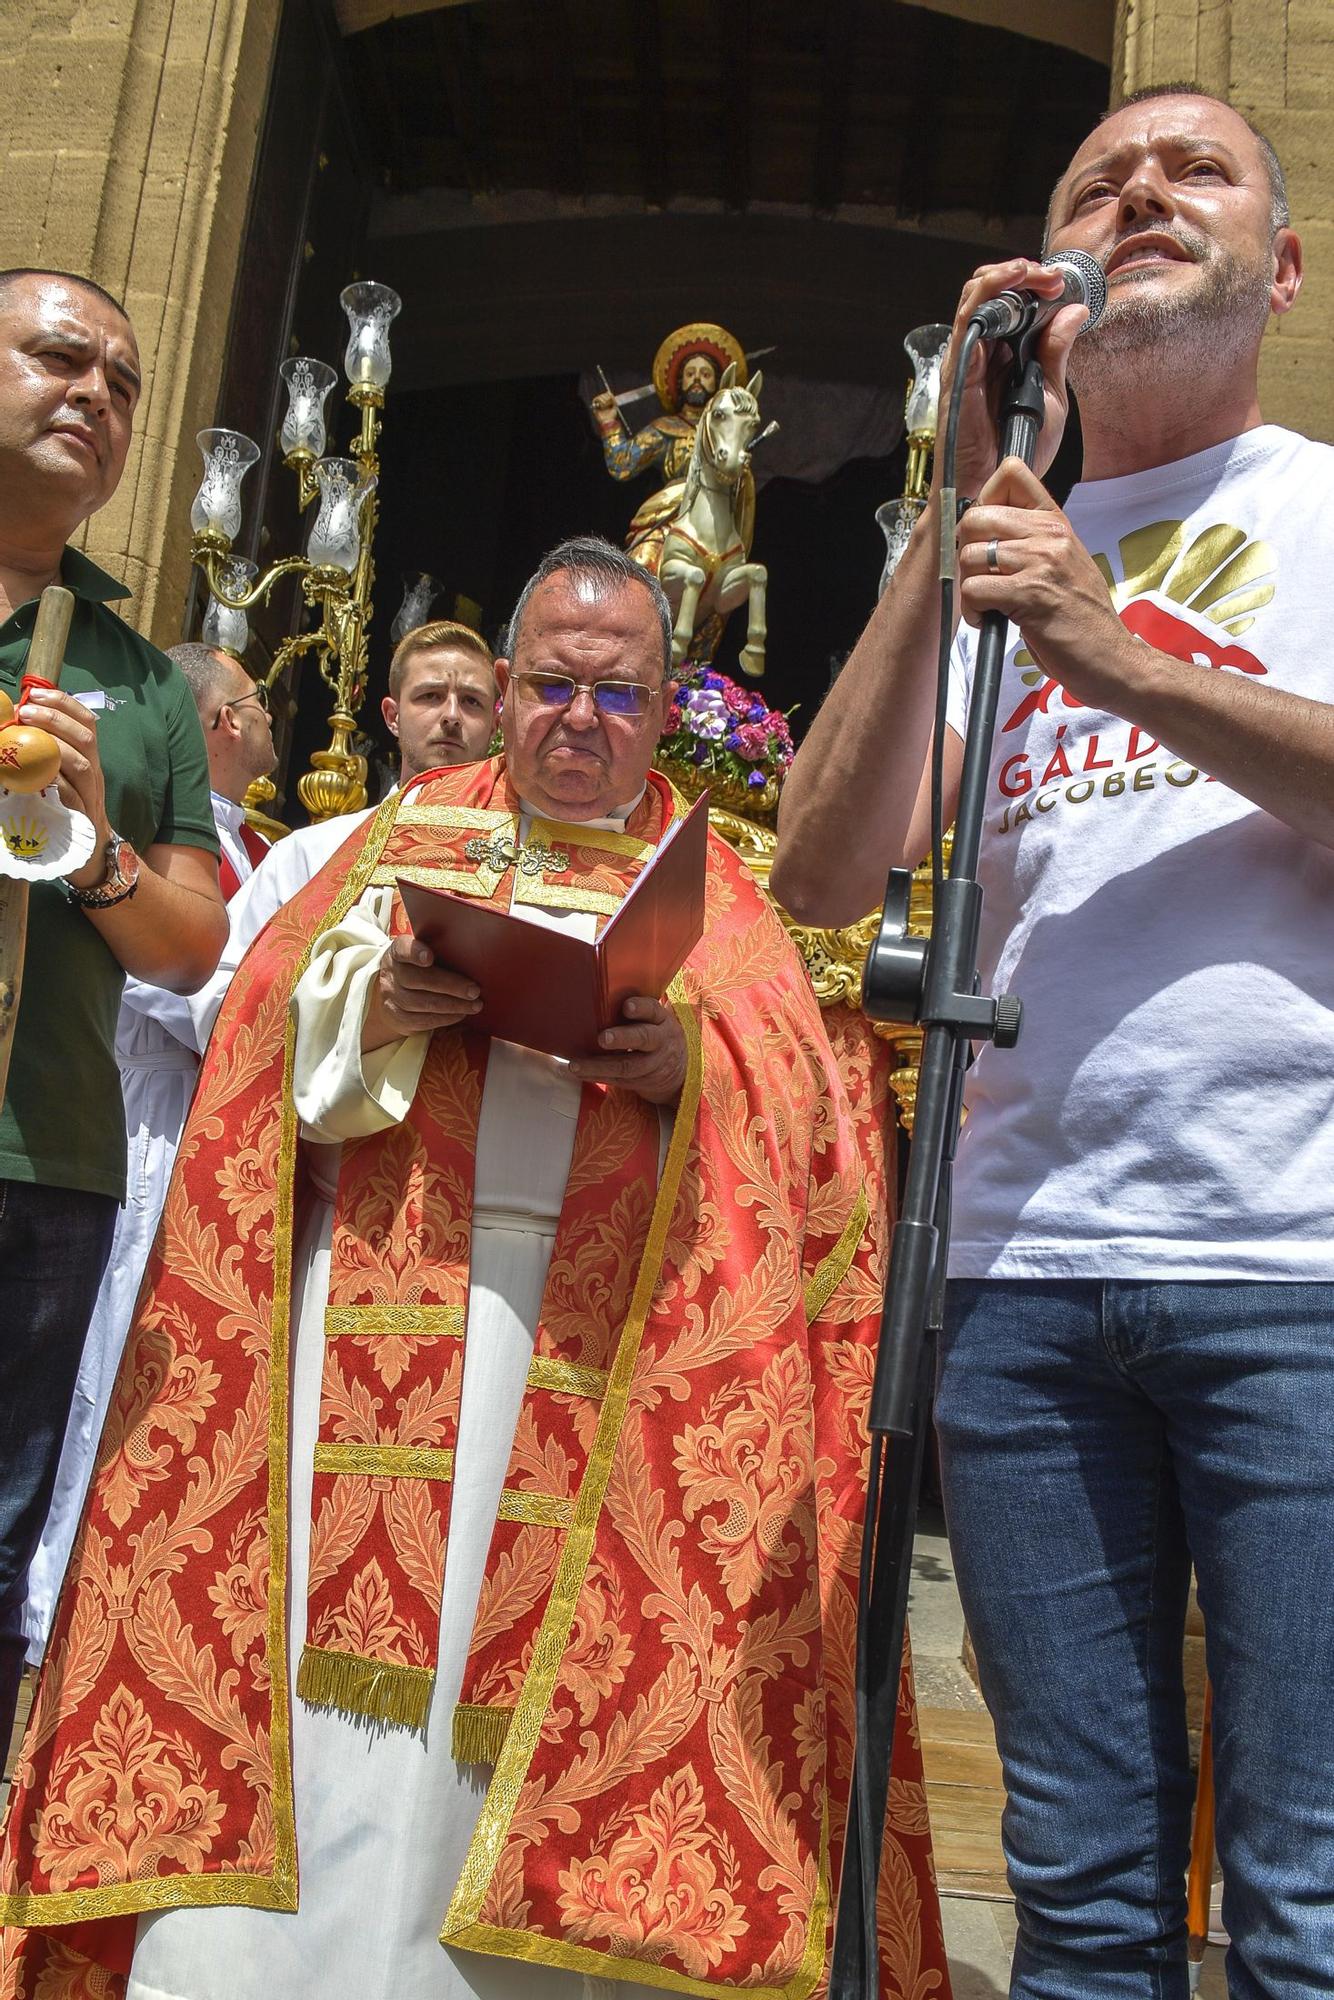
x: 40, y: 838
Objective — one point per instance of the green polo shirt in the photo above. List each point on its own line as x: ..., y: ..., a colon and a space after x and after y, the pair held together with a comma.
x: 63, y: 1123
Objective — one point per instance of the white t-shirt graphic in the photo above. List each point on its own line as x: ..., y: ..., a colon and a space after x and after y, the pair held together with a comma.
x: 1169, y: 1111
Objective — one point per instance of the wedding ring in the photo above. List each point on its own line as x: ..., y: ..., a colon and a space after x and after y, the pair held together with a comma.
x: 993, y: 559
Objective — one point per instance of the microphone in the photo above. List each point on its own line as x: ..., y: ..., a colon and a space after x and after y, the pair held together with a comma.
x: 1019, y: 311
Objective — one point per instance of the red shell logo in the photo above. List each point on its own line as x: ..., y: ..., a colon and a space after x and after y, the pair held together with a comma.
x: 1166, y: 632
x: 1184, y: 641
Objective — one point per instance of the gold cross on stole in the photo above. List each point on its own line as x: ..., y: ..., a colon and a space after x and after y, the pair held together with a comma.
x: 502, y: 852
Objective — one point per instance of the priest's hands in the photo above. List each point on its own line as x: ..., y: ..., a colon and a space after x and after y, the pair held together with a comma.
x: 650, y: 1053
x: 412, y: 995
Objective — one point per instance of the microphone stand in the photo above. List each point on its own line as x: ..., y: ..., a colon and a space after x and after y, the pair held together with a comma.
x: 934, y: 982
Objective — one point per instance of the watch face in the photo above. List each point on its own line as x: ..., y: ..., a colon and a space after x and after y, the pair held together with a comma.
x: 124, y: 864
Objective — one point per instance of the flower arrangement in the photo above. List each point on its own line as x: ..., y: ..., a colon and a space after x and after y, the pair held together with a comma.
x: 722, y: 737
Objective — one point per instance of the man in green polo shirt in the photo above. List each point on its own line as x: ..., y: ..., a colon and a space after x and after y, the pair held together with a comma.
x: 146, y: 902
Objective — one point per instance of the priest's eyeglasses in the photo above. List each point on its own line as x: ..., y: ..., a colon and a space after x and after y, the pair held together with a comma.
x: 559, y: 690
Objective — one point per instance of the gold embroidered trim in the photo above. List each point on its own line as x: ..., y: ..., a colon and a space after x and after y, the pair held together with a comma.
x: 381, y: 1690
x: 165, y: 1892
x: 571, y: 834
x: 560, y: 896
x: 454, y: 879
x: 385, y: 1461
x: 826, y: 1276
x: 568, y: 1378
x: 540, y: 1510
x: 473, y: 819
x: 377, y: 1322
x: 278, y: 1890
x: 479, y: 1732
x: 461, y: 1926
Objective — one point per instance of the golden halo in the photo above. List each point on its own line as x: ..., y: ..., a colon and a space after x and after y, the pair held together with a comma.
x: 700, y: 337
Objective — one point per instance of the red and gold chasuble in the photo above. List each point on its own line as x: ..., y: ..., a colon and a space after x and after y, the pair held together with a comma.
x: 661, y: 1664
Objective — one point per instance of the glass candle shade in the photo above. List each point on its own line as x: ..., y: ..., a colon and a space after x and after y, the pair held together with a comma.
x: 308, y: 385
x: 925, y: 348
x: 228, y: 456
x: 896, y: 518
x: 419, y: 594
x: 370, y: 309
x: 335, y: 538
x: 224, y: 627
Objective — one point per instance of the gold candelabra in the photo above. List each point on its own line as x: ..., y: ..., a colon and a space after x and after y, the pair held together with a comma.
x: 925, y: 347
x: 337, y: 571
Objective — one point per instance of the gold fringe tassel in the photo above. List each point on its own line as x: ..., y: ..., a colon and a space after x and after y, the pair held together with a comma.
x: 396, y: 1695
x: 480, y: 1732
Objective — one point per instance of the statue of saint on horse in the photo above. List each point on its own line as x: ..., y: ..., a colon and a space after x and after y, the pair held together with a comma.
x: 695, y: 533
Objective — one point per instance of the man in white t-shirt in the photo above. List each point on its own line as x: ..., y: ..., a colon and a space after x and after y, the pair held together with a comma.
x: 1138, y: 1364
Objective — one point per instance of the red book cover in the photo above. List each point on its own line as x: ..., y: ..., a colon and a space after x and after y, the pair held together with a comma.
x: 554, y: 992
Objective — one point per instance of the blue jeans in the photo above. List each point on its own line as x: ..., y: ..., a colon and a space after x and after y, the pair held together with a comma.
x: 54, y: 1244
x: 1096, y: 1438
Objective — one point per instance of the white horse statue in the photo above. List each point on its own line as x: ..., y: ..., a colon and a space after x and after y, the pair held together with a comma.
x: 704, y: 563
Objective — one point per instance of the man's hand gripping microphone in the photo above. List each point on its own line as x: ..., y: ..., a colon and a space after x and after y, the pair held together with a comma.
x: 1014, y: 313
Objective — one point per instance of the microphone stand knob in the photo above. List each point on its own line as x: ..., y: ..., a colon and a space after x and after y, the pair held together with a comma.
x: 1009, y: 1018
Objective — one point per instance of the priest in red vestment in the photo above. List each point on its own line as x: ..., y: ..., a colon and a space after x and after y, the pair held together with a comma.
x: 465, y: 1603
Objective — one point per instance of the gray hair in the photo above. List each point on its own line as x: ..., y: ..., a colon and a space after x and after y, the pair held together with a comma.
x: 206, y: 673
x: 607, y: 571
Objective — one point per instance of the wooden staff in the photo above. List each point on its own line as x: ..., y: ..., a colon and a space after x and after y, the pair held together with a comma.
x: 46, y: 656
x: 1199, y: 1883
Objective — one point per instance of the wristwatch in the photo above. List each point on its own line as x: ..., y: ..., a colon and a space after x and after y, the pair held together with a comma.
x: 117, y: 885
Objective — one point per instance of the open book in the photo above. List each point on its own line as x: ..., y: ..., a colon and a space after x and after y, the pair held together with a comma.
x: 554, y: 992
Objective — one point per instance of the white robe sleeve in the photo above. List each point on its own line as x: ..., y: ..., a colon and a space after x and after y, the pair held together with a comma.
x: 339, y: 1092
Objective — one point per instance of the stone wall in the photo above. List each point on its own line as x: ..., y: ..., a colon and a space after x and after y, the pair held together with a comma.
x: 127, y: 143
x: 1273, y: 59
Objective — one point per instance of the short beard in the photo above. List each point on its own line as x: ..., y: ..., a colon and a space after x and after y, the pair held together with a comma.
x: 696, y: 396
x: 1222, y: 316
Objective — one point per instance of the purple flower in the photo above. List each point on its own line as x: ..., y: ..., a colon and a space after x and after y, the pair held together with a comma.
x: 707, y: 712
x: 757, y: 778
x: 701, y: 753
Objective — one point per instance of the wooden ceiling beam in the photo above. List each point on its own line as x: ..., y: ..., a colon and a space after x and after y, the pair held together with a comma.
x: 395, y: 156
x: 836, y: 70
x: 643, y: 20
x: 549, y: 30
x: 465, y: 93
x: 928, y: 72
x: 1017, y: 137
x: 736, y: 53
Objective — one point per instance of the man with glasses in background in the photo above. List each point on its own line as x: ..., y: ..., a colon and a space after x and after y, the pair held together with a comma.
x: 542, y: 1570
x: 441, y: 711
x: 156, y: 1057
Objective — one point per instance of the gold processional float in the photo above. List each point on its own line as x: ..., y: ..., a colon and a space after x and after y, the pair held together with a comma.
x: 694, y: 533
